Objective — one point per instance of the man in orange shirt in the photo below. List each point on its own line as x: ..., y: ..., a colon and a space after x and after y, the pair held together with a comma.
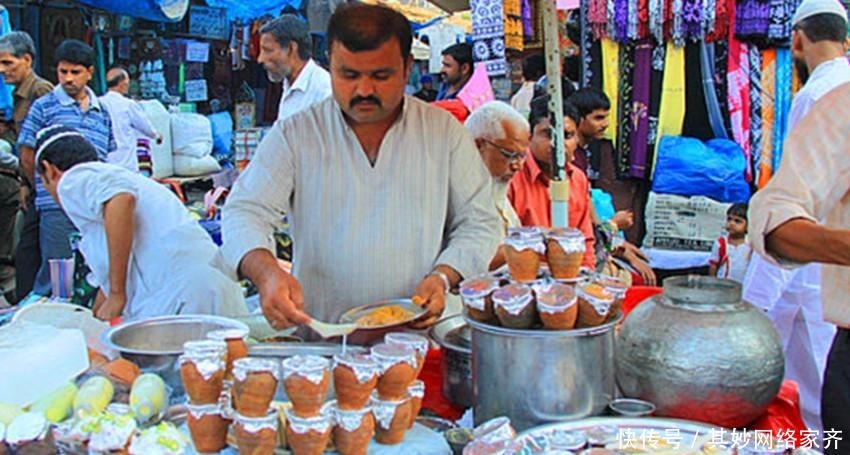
x: 529, y: 188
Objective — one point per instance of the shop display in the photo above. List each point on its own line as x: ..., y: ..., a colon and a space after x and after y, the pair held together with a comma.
x: 392, y: 418
x: 514, y: 306
x: 352, y: 429
x: 556, y: 304
x: 594, y: 305
x: 355, y: 377
x: 202, y: 370
x: 397, y: 364
x: 523, y: 248
x: 564, y: 252
x: 307, y: 435
x: 208, y: 425
x: 419, y: 344
x: 477, y: 295
x: 256, y: 435
x: 236, y: 347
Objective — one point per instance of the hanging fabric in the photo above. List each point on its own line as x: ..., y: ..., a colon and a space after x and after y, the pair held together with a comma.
x: 586, y: 44
x: 715, y: 117
x: 656, y: 19
x: 678, y: 33
x: 709, y: 8
x: 671, y: 114
x: 611, y: 7
x: 768, y: 87
x: 755, y: 111
x: 692, y: 16
x: 656, y: 87
x: 782, y: 105
x: 611, y: 83
x: 752, y: 20
x: 643, y: 19
x: 621, y: 20
x: 640, y: 109
x: 738, y: 79
x: 597, y: 17
x: 696, y: 123
x: 721, y: 84
x: 626, y: 126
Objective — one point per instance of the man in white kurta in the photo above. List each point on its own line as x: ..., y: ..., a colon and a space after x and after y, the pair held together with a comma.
x: 792, y: 297
x: 172, y: 260
x: 129, y: 121
x: 387, y: 195
x: 126, y: 218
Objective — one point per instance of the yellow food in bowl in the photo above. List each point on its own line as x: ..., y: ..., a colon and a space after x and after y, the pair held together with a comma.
x: 390, y: 314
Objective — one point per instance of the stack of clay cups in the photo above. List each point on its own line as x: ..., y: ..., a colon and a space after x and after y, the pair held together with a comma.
x: 420, y: 345
x: 355, y: 378
x: 237, y: 348
x: 254, y: 384
x: 594, y: 305
x: 202, y: 369
x: 616, y: 287
x: 524, y: 247
x: 391, y: 403
x: 306, y: 380
x: 514, y: 306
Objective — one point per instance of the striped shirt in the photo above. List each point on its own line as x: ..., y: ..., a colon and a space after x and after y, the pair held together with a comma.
x: 57, y: 108
x: 365, y: 233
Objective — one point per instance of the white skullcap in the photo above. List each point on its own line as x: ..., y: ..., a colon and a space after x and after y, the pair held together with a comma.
x: 809, y: 8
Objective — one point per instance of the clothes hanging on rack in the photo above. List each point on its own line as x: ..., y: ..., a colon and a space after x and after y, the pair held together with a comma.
x: 768, y: 91
x: 640, y: 109
x: 626, y: 125
x: 782, y: 104
x: 611, y: 83
x: 671, y: 114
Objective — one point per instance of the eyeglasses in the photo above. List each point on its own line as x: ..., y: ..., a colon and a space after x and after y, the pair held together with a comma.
x: 513, y: 157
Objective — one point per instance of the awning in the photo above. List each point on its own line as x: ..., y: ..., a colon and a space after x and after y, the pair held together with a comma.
x: 152, y: 10
x: 451, y: 6
x: 252, y: 9
x: 420, y: 50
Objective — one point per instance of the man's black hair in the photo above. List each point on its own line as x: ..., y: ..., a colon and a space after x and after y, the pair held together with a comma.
x: 589, y: 99
x: 65, y: 152
x: 533, y: 67
x: 461, y: 52
x: 290, y: 28
x: 75, y: 52
x: 361, y: 27
x: 540, y: 111
x: 823, y: 27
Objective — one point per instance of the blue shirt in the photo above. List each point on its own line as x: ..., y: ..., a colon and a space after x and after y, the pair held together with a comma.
x: 57, y: 108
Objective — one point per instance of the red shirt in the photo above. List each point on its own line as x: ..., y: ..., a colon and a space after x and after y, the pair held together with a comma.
x: 529, y: 194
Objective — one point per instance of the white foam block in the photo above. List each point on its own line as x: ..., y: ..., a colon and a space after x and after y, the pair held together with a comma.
x: 38, y: 359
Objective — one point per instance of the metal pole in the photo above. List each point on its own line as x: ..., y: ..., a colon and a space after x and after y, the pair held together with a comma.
x: 559, y: 187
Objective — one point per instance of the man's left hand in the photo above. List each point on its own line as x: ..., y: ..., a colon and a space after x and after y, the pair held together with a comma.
x: 111, y: 308
x: 431, y: 294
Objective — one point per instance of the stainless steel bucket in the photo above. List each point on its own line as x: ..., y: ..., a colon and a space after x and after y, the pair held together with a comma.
x: 452, y: 334
x: 541, y: 376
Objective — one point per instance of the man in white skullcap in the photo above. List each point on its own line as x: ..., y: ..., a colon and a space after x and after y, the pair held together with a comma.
x: 792, y: 297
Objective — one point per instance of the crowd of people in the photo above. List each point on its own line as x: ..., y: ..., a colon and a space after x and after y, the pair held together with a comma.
x: 389, y: 195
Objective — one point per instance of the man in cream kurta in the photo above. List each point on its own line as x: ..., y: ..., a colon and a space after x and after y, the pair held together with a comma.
x: 401, y: 212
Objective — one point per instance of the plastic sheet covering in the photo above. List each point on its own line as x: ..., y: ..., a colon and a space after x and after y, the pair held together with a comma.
x: 240, y: 9
x: 152, y: 10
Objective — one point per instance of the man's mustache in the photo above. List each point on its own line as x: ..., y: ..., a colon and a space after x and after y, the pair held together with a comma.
x: 364, y: 99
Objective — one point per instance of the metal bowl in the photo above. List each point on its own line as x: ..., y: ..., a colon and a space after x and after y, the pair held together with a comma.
x: 368, y: 335
x: 154, y: 344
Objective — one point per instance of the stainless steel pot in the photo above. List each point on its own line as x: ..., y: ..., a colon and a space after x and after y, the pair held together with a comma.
x: 541, y: 376
x: 453, y: 336
x: 699, y: 352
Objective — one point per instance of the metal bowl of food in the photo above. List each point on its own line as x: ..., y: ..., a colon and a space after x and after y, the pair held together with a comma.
x: 155, y: 343
x: 380, y: 318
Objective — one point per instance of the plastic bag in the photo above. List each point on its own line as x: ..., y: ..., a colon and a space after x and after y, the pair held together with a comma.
x: 687, y: 167
x: 222, y: 132
x: 191, y: 135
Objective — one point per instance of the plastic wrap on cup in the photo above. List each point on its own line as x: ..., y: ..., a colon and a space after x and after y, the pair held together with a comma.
x: 565, y: 248
x: 202, y: 370
x: 514, y: 306
x: 557, y: 306
x: 355, y: 378
x: 208, y: 427
x: 353, y: 429
x: 254, y: 384
x: 306, y: 379
x: 256, y: 435
x: 392, y: 418
x: 307, y: 435
x: 477, y: 296
x: 397, y: 364
x: 419, y: 344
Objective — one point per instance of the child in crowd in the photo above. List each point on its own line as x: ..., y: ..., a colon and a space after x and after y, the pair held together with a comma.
x: 730, y: 254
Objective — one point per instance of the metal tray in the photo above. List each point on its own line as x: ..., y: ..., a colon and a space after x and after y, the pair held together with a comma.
x: 352, y: 315
x: 291, y: 349
x: 634, y: 435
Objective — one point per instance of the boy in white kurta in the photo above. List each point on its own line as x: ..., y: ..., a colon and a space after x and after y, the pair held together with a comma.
x: 150, y: 257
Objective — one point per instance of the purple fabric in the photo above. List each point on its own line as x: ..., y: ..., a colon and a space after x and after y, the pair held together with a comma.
x: 527, y: 26
x: 640, y: 109
x: 752, y: 18
x: 692, y: 18
x: 621, y: 20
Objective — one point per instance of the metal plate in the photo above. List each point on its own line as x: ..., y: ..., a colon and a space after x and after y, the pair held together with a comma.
x: 352, y: 315
x: 637, y: 430
x: 454, y: 333
x: 291, y: 349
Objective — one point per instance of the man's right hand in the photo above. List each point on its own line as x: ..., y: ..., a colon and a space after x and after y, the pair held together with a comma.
x: 280, y: 293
